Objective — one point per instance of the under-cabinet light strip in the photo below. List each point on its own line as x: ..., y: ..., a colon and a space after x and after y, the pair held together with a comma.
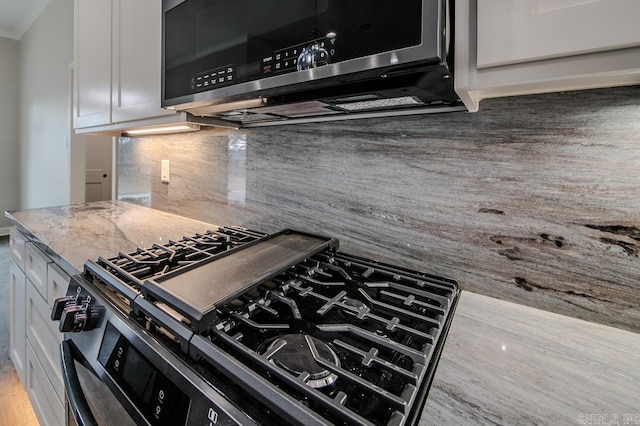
x: 154, y: 130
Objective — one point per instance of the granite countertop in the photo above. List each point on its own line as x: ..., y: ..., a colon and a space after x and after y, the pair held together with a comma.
x: 508, y: 364
x: 72, y: 234
x: 503, y: 363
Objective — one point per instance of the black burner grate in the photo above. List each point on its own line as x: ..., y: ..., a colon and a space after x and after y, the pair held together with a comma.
x: 385, y: 325
x: 126, y: 272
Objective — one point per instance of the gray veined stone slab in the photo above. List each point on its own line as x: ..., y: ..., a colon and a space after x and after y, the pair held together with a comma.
x: 534, y: 199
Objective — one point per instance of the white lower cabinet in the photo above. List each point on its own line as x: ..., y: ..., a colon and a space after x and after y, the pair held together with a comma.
x: 45, y: 339
x: 46, y: 404
x: 57, y: 285
x: 34, y: 339
x: 17, y: 329
x: 17, y: 247
x: 36, y: 268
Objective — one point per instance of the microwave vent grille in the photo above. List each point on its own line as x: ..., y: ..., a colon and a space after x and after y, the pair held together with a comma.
x: 403, y: 101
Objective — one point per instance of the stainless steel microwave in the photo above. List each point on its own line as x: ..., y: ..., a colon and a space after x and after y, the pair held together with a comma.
x: 257, y: 61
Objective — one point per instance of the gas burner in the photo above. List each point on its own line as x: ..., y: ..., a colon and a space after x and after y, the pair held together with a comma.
x: 301, y: 353
x: 355, y: 307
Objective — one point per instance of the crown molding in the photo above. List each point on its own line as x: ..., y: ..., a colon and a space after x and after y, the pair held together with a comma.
x: 29, y: 18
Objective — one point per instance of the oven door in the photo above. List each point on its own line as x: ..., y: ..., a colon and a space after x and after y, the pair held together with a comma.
x: 117, y: 373
x: 90, y: 402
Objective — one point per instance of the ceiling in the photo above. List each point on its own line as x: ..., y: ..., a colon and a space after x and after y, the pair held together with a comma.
x: 16, y: 16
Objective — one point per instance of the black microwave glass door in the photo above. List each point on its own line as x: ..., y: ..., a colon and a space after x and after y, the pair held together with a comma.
x: 216, y: 43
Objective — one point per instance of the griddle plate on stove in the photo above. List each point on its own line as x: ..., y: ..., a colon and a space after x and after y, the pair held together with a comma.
x: 197, y: 292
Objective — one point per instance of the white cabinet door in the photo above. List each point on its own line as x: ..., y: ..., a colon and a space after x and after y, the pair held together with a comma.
x: 48, y: 408
x: 137, y: 39
x: 17, y: 329
x: 34, y: 338
x: 36, y: 265
x: 44, y: 338
x: 57, y: 285
x: 92, y: 103
x: 525, y: 30
x: 17, y: 247
x: 117, y: 62
x: 508, y: 48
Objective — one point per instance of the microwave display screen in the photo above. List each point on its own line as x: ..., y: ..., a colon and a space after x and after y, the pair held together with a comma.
x: 210, y: 44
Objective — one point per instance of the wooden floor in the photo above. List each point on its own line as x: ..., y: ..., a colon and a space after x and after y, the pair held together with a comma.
x: 15, y: 409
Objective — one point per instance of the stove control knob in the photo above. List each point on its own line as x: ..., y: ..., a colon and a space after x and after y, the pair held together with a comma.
x: 82, y: 317
x: 93, y: 315
x: 71, y: 319
x: 58, y: 306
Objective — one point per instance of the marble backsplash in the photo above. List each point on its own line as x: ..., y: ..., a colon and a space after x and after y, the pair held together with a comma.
x: 533, y: 199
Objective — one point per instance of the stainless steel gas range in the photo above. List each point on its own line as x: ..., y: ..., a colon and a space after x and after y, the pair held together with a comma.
x: 234, y: 326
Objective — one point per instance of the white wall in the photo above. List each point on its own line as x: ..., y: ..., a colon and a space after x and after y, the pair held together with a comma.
x: 9, y: 148
x: 45, y: 52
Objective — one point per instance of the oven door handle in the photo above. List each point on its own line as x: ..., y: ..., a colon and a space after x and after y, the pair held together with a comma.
x: 77, y: 402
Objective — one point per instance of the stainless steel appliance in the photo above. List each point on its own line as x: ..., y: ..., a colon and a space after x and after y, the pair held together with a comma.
x: 234, y: 326
x: 283, y: 61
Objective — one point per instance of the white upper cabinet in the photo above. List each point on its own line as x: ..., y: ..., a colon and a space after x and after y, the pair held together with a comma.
x: 117, y: 62
x: 137, y: 39
x: 92, y: 73
x: 507, y: 47
x: 510, y: 31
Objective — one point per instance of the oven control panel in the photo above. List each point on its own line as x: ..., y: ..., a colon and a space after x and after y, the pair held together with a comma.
x: 159, y: 400
x: 156, y: 396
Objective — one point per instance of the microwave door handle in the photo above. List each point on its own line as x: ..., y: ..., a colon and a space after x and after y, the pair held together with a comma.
x: 77, y: 401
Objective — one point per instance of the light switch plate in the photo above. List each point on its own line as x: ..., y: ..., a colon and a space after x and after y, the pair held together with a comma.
x: 164, y: 171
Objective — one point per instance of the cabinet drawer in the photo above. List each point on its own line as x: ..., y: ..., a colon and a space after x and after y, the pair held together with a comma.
x: 36, y: 269
x: 48, y: 408
x: 17, y: 247
x: 44, y: 337
x: 57, y: 283
x: 17, y: 332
